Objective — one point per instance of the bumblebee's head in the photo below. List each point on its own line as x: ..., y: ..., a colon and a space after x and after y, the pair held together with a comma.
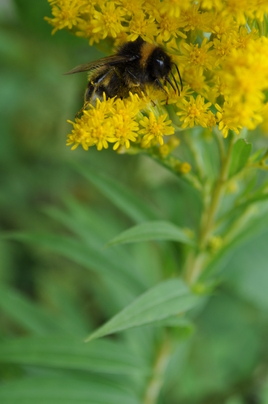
x: 159, y: 67
x: 159, y: 64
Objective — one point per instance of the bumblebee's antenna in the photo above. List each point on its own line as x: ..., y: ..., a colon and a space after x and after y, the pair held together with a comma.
x: 170, y: 82
x: 175, y: 81
x: 179, y: 75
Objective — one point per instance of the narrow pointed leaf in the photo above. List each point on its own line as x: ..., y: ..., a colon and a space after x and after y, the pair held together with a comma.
x: 71, y: 353
x: 90, y: 257
x: 165, y: 300
x: 240, y: 156
x: 67, y: 390
x: 156, y: 230
x: 26, y: 313
x: 121, y: 196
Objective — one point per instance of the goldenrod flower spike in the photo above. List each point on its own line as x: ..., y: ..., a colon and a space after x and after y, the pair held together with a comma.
x: 221, y: 55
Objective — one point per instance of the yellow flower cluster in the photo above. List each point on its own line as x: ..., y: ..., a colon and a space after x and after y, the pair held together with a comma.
x: 119, y: 122
x: 245, y: 76
x: 220, y: 50
x: 152, y: 19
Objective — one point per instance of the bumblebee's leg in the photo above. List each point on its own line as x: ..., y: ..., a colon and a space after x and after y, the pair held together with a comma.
x: 81, y: 110
x: 140, y: 90
x: 94, y: 85
x: 133, y: 76
x: 91, y: 90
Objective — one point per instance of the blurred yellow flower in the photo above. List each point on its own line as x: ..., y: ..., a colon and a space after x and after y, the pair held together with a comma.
x: 183, y: 168
x: 227, y: 118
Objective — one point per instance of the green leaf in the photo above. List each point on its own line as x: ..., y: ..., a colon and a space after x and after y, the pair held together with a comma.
x: 240, y: 155
x: 156, y: 230
x: 250, y: 284
x: 94, y: 237
x: 254, y: 223
x: 169, y: 298
x: 258, y: 155
x: 67, y: 390
x: 177, y: 322
x: 71, y: 353
x: 121, y: 196
x: 90, y: 257
x: 26, y: 313
x: 182, y: 327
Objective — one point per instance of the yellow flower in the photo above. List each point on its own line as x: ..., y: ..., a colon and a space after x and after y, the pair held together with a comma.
x: 164, y: 150
x: 125, y: 131
x: 194, y: 112
x: 183, y: 168
x: 111, y: 121
x: 261, y: 8
x: 124, y: 124
x: 131, y: 6
x: 94, y: 127
x: 217, y: 88
x: 193, y: 19
x: 141, y: 26
x: 245, y: 74
x: 193, y: 55
x: 151, y: 7
x: 168, y: 26
x: 196, y: 79
x: 223, y: 46
x: 155, y: 129
x: 228, y: 119
x: 85, y: 30
x: 174, y: 7
x: 109, y: 20
x: 221, y: 58
x: 215, y: 243
x: 66, y: 13
x: 238, y: 8
x: 264, y: 113
x: 242, y: 38
x: 79, y: 135
x: 173, y: 142
x: 209, y: 4
x: 221, y: 24
x: 211, y: 120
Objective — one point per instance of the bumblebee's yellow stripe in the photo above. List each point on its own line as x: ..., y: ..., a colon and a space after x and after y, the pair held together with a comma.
x: 146, y: 50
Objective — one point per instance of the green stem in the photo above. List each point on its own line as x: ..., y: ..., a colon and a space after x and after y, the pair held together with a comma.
x: 195, y: 261
x: 258, y: 166
x: 191, y: 143
x: 220, y: 141
x: 155, y: 383
x: 216, y: 197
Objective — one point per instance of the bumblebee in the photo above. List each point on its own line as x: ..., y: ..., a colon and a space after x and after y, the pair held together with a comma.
x: 135, y: 65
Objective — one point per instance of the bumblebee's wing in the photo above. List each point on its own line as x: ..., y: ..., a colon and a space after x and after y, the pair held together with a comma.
x: 106, y: 61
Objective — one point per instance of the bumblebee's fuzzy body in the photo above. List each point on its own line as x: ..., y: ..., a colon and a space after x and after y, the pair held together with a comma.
x: 135, y: 65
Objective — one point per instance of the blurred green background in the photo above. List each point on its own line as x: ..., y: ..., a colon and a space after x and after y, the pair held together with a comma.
x: 57, y: 281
